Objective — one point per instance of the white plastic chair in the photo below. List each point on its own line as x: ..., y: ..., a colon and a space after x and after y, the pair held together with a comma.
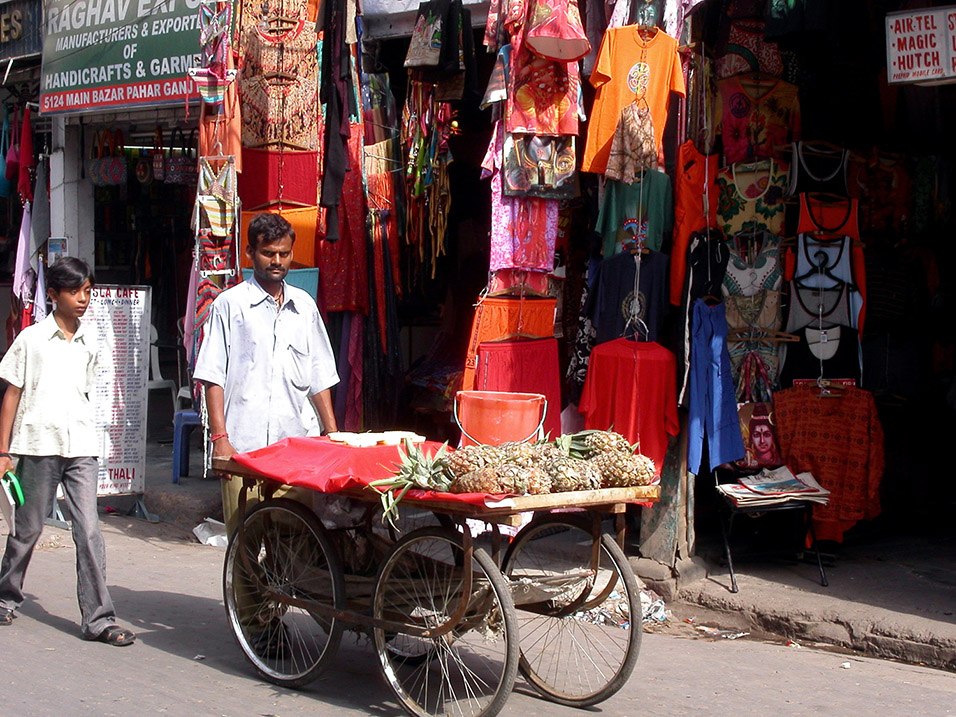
x: 156, y: 380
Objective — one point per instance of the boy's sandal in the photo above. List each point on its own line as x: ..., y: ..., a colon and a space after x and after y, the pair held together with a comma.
x: 116, y: 636
x: 7, y: 616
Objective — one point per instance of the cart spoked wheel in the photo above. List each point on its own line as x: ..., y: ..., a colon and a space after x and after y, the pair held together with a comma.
x: 578, y: 607
x: 278, y: 565
x: 467, y: 662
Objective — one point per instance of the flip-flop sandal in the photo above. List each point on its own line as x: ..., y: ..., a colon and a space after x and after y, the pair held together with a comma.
x: 116, y: 636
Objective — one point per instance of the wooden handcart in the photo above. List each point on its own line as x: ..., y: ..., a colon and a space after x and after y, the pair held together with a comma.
x: 453, y: 619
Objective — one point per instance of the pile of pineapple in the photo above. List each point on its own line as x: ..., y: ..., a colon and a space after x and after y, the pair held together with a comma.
x: 579, y: 461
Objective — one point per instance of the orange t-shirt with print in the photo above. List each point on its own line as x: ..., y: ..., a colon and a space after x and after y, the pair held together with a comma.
x: 626, y: 65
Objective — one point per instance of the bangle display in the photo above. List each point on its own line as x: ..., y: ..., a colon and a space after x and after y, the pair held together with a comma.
x: 217, y: 436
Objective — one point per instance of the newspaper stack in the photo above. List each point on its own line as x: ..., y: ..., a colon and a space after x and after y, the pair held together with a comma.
x: 775, y: 486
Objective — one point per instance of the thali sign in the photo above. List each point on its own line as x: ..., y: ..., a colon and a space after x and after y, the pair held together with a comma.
x: 921, y: 45
x: 102, y: 54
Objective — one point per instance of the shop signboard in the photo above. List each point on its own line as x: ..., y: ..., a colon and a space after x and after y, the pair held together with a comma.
x: 21, y: 28
x: 921, y: 46
x: 119, y: 317
x: 109, y: 54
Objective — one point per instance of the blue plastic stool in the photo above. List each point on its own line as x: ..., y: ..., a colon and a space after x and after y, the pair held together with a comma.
x: 183, y: 424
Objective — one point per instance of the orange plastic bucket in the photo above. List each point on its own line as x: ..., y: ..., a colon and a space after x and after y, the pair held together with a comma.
x: 496, y: 417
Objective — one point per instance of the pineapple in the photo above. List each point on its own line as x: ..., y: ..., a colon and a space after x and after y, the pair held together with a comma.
x: 512, y: 478
x: 607, y: 442
x: 590, y: 443
x: 571, y: 474
x: 537, y: 481
x: 482, y: 480
x: 471, y: 458
x: 522, y: 454
x: 547, y: 451
x: 416, y: 470
x: 620, y: 470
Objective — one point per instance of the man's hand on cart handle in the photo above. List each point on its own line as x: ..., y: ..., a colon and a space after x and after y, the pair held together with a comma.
x: 221, y: 447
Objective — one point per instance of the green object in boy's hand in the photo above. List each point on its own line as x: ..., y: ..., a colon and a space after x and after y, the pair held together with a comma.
x: 13, y: 483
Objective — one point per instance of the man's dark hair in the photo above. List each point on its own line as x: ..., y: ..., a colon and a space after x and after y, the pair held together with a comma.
x: 268, y: 228
x: 68, y: 272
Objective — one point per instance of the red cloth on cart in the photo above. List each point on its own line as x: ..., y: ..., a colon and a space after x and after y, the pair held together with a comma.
x: 329, y: 467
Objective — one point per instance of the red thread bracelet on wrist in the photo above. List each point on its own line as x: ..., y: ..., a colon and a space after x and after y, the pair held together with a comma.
x: 215, y: 437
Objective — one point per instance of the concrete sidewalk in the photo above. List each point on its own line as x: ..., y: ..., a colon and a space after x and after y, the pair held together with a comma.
x: 888, y: 597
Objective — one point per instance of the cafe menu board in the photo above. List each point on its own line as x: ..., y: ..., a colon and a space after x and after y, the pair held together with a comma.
x: 120, y: 319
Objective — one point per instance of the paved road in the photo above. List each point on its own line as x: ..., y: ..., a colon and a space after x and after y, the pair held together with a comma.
x: 185, y: 662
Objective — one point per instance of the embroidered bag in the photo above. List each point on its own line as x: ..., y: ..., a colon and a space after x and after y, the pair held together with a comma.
x: 144, y: 168
x: 12, y: 169
x: 159, y: 155
x: 107, y: 164
x: 182, y: 169
x: 539, y: 166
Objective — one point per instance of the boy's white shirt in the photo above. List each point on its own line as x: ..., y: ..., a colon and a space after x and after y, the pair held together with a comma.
x: 55, y: 416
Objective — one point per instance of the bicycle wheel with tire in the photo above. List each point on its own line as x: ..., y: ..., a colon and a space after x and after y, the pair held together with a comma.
x: 276, y: 565
x: 578, y: 610
x: 467, y: 671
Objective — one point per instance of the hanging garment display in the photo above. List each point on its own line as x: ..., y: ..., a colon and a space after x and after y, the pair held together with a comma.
x: 629, y: 66
x: 750, y: 197
x: 828, y: 218
x: 706, y: 263
x: 630, y: 386
x: 759, y: 117
x: 818, y: 167
x: 641, y: 213
x: 839, y: 441
x: 343, y: 264
x: 629, y: 296
x: 822, y: 308
x: 215, y: 218
x: 497, y: 318
x: 523, y: 229
x: 824, y: 263
x: 555, y: 30
x: 754, y: 362
x: 822, y: 353
x: 883, y: 188
x: 435, y: 35
x: 754, y: 264
x: 524, y: 366
x: 746, y: 51
x: 278, y: 84
x: 543, y: 95
x: 712, y: 399
x: 279, y: 176
x: 634, y: 147
x: 695, y: 208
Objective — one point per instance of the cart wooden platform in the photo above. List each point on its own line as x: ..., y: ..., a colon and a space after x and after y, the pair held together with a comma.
x: 453, y: 619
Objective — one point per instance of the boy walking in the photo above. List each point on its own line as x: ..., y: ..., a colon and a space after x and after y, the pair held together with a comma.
x: 46, y: 418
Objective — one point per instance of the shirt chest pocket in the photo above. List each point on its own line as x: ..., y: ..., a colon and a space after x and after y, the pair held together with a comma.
x: 298, y: 363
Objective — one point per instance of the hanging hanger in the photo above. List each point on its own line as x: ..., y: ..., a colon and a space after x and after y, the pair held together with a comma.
x: 821, y: 269
x: 829, y: 389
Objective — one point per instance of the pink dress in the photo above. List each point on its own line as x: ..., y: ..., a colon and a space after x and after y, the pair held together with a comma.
x: 523, y: 229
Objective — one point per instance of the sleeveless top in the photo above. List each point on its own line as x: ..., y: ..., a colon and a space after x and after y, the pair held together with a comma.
x: 820, y: 308
x: 751, y: 271
x: 818, y: 170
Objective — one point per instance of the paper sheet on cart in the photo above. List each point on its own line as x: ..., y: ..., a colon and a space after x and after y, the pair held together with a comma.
x: 329, y: 467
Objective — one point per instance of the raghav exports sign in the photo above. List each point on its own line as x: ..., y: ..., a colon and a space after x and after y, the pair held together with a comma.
x: 921, y: 45
x: 101, y: 54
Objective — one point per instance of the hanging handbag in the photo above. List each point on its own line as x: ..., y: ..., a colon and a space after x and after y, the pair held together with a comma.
x: 182, y: 169
x: 144, y: 168
x: 12, y: 169
x: 159, y: 155
x: 425, y: 49
x: 6, y: 186
x: 539, y: 166
x: 93, y: 164
x: 114, y: 166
